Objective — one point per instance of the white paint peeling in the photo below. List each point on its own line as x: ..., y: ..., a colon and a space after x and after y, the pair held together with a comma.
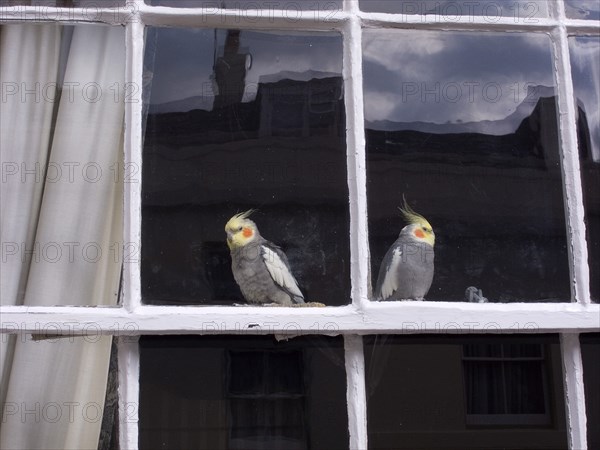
x: 356, y: 160
x: 210, y: 17
x: 94, y: 13
x: 574, y: 391
x: 363, y: 316
x: 132, y: 226
x: 375, y: 317
x: 129, y: 374
x: 356, y: 392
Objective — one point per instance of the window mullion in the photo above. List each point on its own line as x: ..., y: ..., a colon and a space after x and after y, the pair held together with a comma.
x: 133, y: 164
x: 356, y: 392
x: 572, y: 185
x: 355, y: 142
x: 129, y: 375
x: 574, y: 390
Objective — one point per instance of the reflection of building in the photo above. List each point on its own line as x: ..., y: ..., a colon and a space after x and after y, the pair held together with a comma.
x: 457, y: 392
x: 300, y: 108
x: 242, y: 392
x: 230, y: 72
x: 284, y: 147
x: 496, y: 200
x: 452, y: 392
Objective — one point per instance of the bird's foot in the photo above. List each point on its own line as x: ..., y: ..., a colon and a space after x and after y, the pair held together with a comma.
x: 309, y: 305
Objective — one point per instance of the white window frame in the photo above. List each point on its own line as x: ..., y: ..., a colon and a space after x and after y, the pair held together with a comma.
x: 362, y: 316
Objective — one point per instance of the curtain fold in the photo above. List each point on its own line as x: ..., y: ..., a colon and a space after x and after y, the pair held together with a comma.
x: 56, y: 388
x: 29, y: 58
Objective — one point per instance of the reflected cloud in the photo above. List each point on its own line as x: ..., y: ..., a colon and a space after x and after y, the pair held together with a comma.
x: 455, y: 78
x: 583, y: 9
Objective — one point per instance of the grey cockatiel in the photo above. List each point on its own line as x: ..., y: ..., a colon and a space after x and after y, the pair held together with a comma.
x: 259, y: 267
x: 406, y: 272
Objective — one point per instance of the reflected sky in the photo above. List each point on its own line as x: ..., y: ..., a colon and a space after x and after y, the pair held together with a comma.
x: 583, y: 9
x: 459, y: 79
x: 522, y: 10
x: 296, y: 56
x: 585, y: 64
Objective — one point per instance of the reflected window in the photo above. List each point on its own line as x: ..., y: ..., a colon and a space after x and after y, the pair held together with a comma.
x: 266, y: 398
x: 583, y: 9
x: 464, y: 126
x: 242, y: 392
x: 505, y: 384
x: 585, y: 67
x: 238, y: 120
x: 520, y: 10
x: 466, y: 392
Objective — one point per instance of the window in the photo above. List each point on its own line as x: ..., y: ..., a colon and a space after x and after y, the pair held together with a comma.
x: 132, y: 131
x: 452, y: 391
x: 506, y: 383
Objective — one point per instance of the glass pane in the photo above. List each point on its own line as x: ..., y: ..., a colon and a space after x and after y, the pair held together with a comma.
x: 324, y: 9
x: 240, y: 120
x: 583, y: 9
x: 510, y: 402
x: 242, y: 392
x: 585, y: 66
x: 491, y: 10
x: 590, y: 352
x: 464, y: 126
x: 61, y: 138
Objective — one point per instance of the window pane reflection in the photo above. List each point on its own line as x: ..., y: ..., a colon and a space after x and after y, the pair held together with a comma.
x: 520, y: 10
x: 242, y: 392
x: 465, y: 126
x: 240, y: 120
x: 464, y: 392
x: 324, y: 9
x: 585, y: 65
x: 590, y: 353
x: 583, y: 9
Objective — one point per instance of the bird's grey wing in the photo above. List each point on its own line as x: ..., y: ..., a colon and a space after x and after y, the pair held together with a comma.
x: 279, y: 269
x: 387, y: 281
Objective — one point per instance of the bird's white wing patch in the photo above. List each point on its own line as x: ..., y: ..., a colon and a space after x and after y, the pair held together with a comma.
x: 280, y: 272
x: 390, y: 282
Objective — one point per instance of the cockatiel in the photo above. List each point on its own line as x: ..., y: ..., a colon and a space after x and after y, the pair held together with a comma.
x: 406, y: 272
x: 259, y: 267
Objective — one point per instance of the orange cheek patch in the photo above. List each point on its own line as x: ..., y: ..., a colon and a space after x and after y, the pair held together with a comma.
x: 247, y: 232
x: 419, y: 234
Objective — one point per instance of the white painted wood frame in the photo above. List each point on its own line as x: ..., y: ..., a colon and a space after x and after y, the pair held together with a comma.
x: 577, y: 315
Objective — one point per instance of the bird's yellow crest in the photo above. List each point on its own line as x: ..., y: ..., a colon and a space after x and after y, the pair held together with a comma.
x: 421, y: 228
x: 240, y: 230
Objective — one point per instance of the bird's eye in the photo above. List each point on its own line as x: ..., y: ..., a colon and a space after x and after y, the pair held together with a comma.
x: 240, y: 228
x: 425, y: 229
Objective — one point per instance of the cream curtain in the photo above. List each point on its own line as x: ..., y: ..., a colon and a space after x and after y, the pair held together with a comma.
x: 69, y: 214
